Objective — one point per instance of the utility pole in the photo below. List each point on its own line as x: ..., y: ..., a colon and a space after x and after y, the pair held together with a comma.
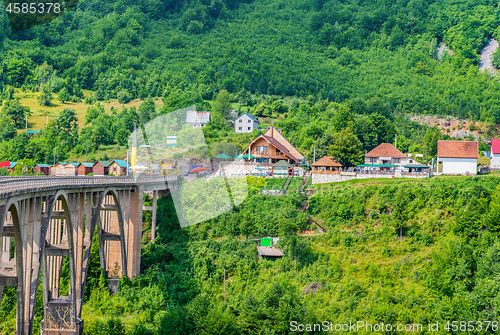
x: 134, y: 147
x: 224, y: 284
x: 396, y: 140
x: 314, y: 159
x: 55, y: 150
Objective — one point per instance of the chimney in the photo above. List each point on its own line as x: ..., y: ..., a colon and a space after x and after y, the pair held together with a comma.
x: 271, y: 131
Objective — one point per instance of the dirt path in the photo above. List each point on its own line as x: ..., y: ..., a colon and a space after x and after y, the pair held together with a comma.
x: 442, y: 49
x: 485, y: 63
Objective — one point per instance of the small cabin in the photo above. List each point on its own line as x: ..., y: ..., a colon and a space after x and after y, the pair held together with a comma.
x: 85, y: 168
x: 326, y: 165
x: 265, y: 248
x: 282, y: 169
x: 118, y: 167
x: 100, y: 168
x: 42, y: 169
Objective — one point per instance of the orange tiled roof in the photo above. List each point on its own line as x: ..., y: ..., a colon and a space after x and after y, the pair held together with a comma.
x: 327, y: 161
x: 385, y: 150
x: 458, y: 149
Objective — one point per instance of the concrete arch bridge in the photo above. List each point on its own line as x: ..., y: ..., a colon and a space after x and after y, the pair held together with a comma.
x: 45, y: 220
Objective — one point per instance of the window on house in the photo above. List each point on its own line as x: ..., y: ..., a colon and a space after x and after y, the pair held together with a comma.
x: 396, y: 160
x: 248, y: 128
x: 239, y: 128
x: 249, y: 121
x: 262, y: 148
x: 373, y: 159
x: 241, y: 120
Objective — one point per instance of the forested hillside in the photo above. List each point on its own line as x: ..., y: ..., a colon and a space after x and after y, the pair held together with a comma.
x: 329, y: 49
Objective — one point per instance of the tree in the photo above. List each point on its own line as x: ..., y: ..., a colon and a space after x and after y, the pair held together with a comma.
x: 124, y: 97
x: 147, y: 110
x: 67, y: 128
x: 45, y: 97
x: 365, y: 131
x: 93, y: 112
x: 16, y: 112
x: 121, y: 136
x: 342, y: 116
x: 383, y: 127
x: 346, y: 148
x: 63, y: 95
x: 222, y: 104
x: 403, y: 144
x: 431, y: 139
x: 7, y: 128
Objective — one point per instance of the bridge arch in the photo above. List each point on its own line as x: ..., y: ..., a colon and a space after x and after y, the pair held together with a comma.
x: 57, y: 233
x: 11, y: 269
x: 111, y: 232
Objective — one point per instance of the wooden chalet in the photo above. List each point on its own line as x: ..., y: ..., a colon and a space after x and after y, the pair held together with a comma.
x: 272, y: 147
x: 64, y: 169
x: 42, y: 169
x: 100, y: 168
x: 85, y: 168
x: 326, y: 165
x: 118, y: 167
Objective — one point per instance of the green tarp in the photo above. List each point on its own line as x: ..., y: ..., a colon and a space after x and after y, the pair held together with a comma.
x: 266, y: 242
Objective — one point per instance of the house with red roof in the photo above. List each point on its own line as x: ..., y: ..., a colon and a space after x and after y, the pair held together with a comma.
x: 458, y: 157
x: 495, y: 154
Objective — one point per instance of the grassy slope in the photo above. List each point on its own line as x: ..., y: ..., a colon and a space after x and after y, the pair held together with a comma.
x: 38, y: 119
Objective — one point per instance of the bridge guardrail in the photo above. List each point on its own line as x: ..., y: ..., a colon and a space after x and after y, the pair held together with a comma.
x: 15, y: 183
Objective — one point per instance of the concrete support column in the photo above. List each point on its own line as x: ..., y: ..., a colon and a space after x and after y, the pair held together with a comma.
x: 153, y: 224
x: 135, y: 232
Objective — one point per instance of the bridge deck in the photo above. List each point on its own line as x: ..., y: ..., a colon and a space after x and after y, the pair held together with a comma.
x: 10, y: 186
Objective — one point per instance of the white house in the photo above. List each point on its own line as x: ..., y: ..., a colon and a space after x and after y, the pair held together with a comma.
x: 458, y: 157
x: 495, y: 154
x: 245, y: 123
x: 197, y: 119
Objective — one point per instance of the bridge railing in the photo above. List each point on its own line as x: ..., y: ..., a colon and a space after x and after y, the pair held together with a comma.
x: 14, y: 183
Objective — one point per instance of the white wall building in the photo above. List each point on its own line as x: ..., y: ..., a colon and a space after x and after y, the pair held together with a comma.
x: 197, y: 119
x: 458, y: 157
x: 495, y: 154
x: 245, y: 123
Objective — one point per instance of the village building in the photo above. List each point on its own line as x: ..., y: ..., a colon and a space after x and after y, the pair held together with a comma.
x: 42, y: 169
x: 85, y: 168
x: 266, y: 248
x: 458, y: 157
x: 282, y: 169
x: 64, y: 169
x: 324, y: 168
x: 197, y: 119
x: 100, y: 168
x: 272, y: 147
x: 245, y: 123
x: 495, y: 154
x: 384, y: 158
x: 118, y: 167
